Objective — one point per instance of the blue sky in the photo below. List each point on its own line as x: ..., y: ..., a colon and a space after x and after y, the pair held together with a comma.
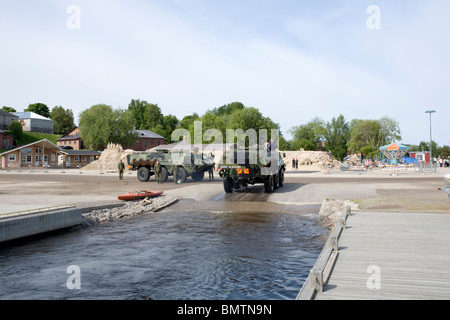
x: 292, y: 59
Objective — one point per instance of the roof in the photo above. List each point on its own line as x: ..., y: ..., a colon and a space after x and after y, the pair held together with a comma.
x: 71, y: 137
x: 394, y: 146
x: 30, y: 115
x: 46, y: 144
x: 6, y: 113
x: 81, y: 152
x: 148, y: 134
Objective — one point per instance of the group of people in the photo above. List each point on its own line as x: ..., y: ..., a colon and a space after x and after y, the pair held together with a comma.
x: 441, y: 162
x: 294, y: 163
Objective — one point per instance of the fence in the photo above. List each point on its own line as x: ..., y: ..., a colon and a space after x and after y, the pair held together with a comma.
x: 320, y: 273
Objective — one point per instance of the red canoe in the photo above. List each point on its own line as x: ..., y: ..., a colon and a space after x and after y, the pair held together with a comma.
x: 136, y: 195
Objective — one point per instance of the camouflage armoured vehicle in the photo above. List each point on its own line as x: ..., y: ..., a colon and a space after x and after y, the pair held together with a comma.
x: 243, y: 167
x: 189, y: 165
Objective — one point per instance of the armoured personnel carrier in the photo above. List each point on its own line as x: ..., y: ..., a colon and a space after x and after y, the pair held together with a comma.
x: 188, y: 165
x: 241, y: 168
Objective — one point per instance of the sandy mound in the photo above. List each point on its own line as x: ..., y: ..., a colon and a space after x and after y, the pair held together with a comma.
x: 310, y: 160
x: 109, y: 159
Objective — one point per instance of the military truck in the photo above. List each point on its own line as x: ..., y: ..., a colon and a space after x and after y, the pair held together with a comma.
x: 241, y: 168
x: 191, y: 164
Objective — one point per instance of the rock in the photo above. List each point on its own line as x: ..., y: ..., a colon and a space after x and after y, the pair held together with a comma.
x: 331, y: 210
x: 128, y: 210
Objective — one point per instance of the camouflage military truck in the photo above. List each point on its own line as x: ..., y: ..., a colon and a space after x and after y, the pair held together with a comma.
x: 189, y: 165
x: 242, y: 167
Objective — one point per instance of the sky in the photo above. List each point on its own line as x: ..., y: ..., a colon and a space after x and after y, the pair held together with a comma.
x: 294, y: 60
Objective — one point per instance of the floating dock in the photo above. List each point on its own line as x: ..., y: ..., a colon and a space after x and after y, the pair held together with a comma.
x: 384, y: 256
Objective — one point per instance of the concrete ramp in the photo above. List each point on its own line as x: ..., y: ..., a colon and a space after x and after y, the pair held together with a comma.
x: 16, y: 227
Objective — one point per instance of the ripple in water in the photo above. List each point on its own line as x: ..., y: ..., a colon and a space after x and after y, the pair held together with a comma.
x: 170, y: 255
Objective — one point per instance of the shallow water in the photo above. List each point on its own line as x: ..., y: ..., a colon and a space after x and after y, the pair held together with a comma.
x: 173, y: 254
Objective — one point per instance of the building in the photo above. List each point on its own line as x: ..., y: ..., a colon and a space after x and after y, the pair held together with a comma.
x: 45, y: 154
x: 421, y: 156
x: 71, y: 138
x: 6, y: 118
x: 78, y: 158
x: 32, y: 122
x: 42, y: 153
x: 6, y: 140
x: 146, y: 140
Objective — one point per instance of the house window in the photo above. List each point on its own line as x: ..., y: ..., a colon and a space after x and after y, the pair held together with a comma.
x: 91, y: 159
x: 25, y: 155
x: 53, y: 157
x: 83, y: 158
x: 12, y: 157
x: 76, y: 158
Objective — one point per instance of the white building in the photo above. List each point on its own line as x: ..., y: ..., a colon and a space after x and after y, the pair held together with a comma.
x: 32, y: 122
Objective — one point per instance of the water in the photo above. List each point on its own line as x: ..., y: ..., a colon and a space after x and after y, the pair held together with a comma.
x: 170, y: 255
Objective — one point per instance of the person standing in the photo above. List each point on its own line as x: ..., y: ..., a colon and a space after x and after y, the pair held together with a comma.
x: 158, y: 171
x: 175, y: 173
x: 121, y: 168
x: 211, y: 173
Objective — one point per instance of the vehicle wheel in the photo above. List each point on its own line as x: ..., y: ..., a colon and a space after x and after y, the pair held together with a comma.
x: 268, y: 184
x: 281, y: 178
x: 182, y: 174
x: 143, y: 174
x: 276, y: 181
x: 164, y: 174
x: 198, y: 176
x: 228, y: 185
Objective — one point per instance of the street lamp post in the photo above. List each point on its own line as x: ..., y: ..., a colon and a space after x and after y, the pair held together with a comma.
x: 431, y: 143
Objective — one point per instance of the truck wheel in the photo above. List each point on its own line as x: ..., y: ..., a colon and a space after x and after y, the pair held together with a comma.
x: 182, y: 174
x: 228, y: 185
x: 143, y: 174
x: 164, y: 174
x: 198, y: 176
x: 268, y: 184
x: 276, y: 181
x: 281, y: 178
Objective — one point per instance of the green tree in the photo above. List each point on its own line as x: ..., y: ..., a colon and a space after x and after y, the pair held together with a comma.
x: 425, y: 146
x: 63, y: 119
x: 137, y: 109
x: 367, y: 136
x: 228, y: 109
x: 444, y: 152
x: 101, y: 124
x: 8, y: 109
x: 16, y: 129
x: 153, y: 117
x: 308, y: 136
x: 170, y: 124
x: 39, y: 108
x: 337, y: 136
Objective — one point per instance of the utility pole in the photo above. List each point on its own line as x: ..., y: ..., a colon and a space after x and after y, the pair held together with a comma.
x: 431, y: 146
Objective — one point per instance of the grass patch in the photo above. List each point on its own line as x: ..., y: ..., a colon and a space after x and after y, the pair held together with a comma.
x: 30, y: 137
